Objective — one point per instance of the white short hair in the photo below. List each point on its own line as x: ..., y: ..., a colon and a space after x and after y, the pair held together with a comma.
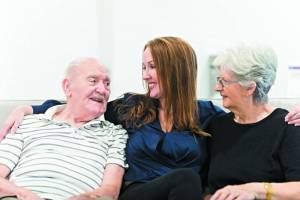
x: 79, y: 61
x: 251, y: 62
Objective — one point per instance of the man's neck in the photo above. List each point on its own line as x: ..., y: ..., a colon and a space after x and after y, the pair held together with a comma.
x: 72, y: 117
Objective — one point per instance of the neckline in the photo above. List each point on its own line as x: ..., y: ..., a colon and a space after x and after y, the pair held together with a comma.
x: 276, y: 110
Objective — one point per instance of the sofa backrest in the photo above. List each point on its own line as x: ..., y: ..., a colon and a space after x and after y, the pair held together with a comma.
x: 6, y: 106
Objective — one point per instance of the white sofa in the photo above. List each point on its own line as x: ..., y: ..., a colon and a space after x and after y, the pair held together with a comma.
x: 6, y: 106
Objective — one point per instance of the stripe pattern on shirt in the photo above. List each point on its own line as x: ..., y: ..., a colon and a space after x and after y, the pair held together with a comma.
x: 56, y: 160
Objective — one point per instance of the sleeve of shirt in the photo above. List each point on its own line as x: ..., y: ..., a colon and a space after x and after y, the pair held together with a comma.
x: 290, y: 153
x: 111, y: 113
x: 38, y: 109
x: 117, y: 144
x: 10, y: 150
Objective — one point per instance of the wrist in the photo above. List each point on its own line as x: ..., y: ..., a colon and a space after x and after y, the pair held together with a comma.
x: 256, y: 188
x: 19, y: 191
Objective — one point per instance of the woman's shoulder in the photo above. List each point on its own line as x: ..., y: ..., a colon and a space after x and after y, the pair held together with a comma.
x: 208, y: 111
x: 208, y: 108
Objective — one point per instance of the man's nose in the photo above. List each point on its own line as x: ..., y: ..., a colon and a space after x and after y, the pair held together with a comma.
x: 102, y: 88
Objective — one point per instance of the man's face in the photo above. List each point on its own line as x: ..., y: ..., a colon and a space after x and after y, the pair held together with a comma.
x: 89, y: 88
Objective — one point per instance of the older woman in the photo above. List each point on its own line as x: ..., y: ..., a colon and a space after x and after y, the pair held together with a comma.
x: 254, y: 153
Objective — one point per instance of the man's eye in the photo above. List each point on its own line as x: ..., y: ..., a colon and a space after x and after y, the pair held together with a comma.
x: 92, y: 80
x: 107, y: 83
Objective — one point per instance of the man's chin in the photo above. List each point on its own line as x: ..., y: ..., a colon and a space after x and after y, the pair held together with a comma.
x: 96, y: 111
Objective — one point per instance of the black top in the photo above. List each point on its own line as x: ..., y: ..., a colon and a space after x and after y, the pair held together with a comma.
x: 268, y: 150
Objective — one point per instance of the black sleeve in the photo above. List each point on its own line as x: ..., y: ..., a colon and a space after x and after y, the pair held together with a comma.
x: 204, y: 171
x: 37, y: 109
x: 290, y: 153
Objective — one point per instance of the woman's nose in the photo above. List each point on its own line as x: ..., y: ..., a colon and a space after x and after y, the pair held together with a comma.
x: 146, y: 74
x: 218, y: 86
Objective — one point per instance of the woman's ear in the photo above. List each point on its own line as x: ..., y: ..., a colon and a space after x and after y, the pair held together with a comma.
x: 251, y: 88
x: 66, y: 87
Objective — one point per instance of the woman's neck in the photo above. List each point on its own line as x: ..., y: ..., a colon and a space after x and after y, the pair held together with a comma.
x: 165, y: 122
x: 252, y: 113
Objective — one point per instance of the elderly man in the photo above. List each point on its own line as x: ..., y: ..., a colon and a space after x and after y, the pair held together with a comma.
x: 69, y: 152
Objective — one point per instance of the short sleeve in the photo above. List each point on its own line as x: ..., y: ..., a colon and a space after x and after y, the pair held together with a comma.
x: 10, y: 150
x: 117, y: 144
x: 289, y: 153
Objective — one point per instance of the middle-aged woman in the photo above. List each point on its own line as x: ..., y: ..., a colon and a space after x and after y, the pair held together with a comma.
x: 254, y: 154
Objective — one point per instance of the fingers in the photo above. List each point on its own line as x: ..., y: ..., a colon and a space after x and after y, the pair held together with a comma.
x: 231, y: 193
x: 12, y: 123
x: 293, y: 117
x: 5, y: 129
x: 221, y: 194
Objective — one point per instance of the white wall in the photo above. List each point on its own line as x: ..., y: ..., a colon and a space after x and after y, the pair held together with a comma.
x: 38, y: 38
x: 209, y: 26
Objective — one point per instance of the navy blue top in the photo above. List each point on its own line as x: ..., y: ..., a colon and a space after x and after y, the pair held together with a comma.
x: 150, y: 152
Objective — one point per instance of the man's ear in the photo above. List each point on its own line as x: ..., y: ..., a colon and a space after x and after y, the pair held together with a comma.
x: 66, y: 87
x: 251, y: 88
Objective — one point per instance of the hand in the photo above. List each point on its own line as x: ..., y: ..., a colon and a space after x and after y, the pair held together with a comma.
x: 293, y: 117
x: 88, y: 197
x: 233, y: 192
x: 14, y: 120
x: 81, y: 197
x: 27, y: 195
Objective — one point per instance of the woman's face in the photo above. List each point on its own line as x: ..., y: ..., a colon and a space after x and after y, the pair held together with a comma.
x: 233, y: 94
x: 150, y: 75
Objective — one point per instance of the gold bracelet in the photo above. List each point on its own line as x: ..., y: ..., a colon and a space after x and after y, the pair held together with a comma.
x: 269, y: 190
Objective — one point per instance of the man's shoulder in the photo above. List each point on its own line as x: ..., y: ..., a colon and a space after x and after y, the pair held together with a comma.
x: 34, y: 120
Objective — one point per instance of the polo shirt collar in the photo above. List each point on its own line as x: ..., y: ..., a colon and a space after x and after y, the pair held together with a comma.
x: 51, y: 112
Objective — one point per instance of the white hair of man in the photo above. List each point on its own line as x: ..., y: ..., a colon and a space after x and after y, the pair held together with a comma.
x: 251, y: 62
x: 78, y: 62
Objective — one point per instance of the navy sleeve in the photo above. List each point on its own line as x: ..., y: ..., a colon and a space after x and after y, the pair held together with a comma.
x: 111, y: 113
x: 208, y: 111
x: 37, y: 109
x: 117, y: 108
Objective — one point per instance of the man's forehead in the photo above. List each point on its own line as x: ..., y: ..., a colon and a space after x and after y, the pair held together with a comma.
x: 92, y: 68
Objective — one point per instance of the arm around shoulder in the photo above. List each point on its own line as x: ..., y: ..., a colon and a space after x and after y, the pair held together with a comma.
x: 14, y: 120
